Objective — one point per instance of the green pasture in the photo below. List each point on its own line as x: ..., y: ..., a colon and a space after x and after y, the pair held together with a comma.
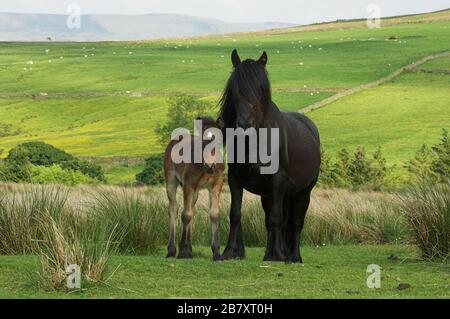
x: 399, y: 116
x: 85, y: 116
x: 328, y: 272
x: 332, y: 59
x: 104, y: 126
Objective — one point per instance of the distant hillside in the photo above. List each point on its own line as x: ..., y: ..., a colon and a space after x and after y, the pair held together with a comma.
x: 39, y: 27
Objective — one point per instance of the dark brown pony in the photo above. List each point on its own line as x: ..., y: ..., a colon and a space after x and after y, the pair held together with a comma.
x: 193, y: 177
x: 285, y: 195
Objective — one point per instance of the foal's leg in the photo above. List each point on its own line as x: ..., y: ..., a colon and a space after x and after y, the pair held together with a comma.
x: 189, y: 195
x: 214, y: 209
x: 171, y: 188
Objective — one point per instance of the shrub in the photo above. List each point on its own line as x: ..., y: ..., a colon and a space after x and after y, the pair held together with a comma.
x: 16, y: 167
x: 419, y: 167
x: 426, y: 206
x: 441, y: 162
x: 354, y: 171
x: 330, y: 172
x: 55, y: 174
x: 181, y: 114
x: 431, y: 165
x: 42, y: 154
x: 359, y: 169
x: 153, y: 173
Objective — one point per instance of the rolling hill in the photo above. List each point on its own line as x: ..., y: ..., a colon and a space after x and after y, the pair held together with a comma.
x: 40, y: 27
x: 104, y: 99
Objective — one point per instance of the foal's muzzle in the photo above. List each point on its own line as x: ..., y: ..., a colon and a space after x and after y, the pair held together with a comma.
x: 210, y: 168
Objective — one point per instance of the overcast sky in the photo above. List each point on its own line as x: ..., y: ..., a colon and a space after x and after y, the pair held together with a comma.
x: 294, y: 11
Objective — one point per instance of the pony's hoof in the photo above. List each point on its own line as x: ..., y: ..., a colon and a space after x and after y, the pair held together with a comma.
x: 217, y: 258
x: 233, y: 254
x: 274, y: 257
x: 185, y: 255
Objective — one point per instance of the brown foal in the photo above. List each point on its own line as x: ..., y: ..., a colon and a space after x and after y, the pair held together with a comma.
x: 193, y: 177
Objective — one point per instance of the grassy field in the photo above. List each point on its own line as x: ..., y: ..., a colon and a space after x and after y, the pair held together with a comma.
x: 334, y: 59
x: 399, y: 116
x: 102, y: 126
x: 104, y: 99
x: 344, y: 232
x: 328, y: 272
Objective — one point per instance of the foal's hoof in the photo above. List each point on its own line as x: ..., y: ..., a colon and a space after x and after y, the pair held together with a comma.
x: 184, y: 255
x: 171, y: 253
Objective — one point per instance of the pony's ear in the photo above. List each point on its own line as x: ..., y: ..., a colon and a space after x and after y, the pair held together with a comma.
x: 263, y: 59
x: 235, y: 59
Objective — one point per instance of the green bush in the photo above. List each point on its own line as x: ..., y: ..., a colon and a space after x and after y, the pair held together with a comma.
x: 42, y: 154
x: 181, y: 114
x: 55, y: 174
x: 431, y: 164
x: 16, y: 167
x: 441, y: 163
x: 354, y: 170
x: 153, y: 173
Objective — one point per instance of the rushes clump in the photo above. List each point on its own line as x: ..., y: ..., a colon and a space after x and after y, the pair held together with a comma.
x: 20, y: 212
x: 38, y: 220
x: 138, y: 221
x: 343, y: 217
x: 426, y: 207
x: 83, y: 242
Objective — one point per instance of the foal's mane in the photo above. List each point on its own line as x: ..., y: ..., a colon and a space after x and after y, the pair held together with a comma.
x: 249, y: 82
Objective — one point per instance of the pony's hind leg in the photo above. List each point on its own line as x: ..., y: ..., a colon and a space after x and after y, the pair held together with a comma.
x: 214, y: 209
x: 295, y: 221
x: 171, y: 188
x: 190, y: 196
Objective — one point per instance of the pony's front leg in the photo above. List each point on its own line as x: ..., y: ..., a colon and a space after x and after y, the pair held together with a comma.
x: 235, y: 246
x: 214, y: 210
x: 185, y: 248
x: 171, y: 188
x: 276, y: 248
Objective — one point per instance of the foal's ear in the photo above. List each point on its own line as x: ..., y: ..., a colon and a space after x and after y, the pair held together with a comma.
x: 263, y: 59
x: 235, y: 59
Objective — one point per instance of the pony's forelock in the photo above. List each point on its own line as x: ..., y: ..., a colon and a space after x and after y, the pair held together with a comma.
x: 249, y: 82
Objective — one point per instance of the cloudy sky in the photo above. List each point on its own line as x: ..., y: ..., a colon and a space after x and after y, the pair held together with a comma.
x: 294, y: 11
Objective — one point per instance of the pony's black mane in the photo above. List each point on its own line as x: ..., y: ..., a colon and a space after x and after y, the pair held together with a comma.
x: 249, y: 82
x: 207, y: 121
